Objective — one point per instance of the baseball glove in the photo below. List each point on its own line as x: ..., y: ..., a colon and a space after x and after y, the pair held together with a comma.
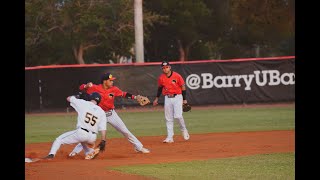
x: 142, y: 100
x: 186, y: 107
x: 102, y: 145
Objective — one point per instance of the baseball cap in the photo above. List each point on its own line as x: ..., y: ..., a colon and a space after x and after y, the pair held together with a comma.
x: 95, y: 96
x: 107, y: 76
x: 165, y: 63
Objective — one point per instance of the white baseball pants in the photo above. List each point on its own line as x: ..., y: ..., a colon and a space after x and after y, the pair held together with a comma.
x: 173, y: 110
x: 115, y: 121
x: 72, y: 137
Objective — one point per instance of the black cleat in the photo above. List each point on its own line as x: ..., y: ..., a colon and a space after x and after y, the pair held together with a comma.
x: 50, y: 156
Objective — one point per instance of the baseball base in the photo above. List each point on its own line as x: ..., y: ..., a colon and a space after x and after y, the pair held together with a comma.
x: 29, y: 160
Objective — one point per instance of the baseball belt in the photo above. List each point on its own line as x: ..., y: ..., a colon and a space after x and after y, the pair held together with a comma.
x: 88, y: 130
x: 171, y: 95
x: 108, y: 113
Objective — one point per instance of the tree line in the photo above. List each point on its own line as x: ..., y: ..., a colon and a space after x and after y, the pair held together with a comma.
x: 102, y: 31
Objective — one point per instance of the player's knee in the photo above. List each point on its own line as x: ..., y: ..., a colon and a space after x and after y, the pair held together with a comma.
x: 170, y: 119
x: 58, y: 140
x: 126, y: 135
x: 178, y: 117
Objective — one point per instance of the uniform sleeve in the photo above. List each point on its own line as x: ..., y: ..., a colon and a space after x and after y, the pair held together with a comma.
x: 89, y: 90
x: 180, y: 80
x: 160, y: 82
x: 103, y: 123
x: 81, y: 87
x: 119, y: 92
x: 75, y: 103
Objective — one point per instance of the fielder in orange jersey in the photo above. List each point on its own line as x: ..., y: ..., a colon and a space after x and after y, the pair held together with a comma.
x: 172, y: 86
x: 108, y: 93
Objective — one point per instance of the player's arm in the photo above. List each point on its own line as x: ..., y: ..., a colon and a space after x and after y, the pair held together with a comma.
x: 184, y: 94
x: 129, y: 95
x: 102, y: 127
x: 159, y: 92
x: 74, y: 102
x: 84, y: 87
x: 68, y: 98
x: 155, y: 101
x: 183, y: 89
x: 123, y: 94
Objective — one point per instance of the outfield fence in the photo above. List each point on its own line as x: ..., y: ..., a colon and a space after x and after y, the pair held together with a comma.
x: 234, y: 81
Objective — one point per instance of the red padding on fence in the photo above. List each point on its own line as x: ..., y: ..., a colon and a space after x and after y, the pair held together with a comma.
x: 158, y: 63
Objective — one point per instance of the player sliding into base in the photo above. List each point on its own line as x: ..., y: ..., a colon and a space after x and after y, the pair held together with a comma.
x: 91, y: 119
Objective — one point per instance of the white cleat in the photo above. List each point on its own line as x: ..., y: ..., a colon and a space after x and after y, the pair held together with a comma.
x: 93, y: 154
x: 143, y: 150
x: 72, y: 154
x: 186, y: 135
x: 168, y: 140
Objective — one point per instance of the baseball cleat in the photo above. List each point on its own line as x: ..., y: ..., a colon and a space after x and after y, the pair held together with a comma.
x: 72, y: 154
x: 93, y: 154
x: 168, y: 140
x: 186, y: 135
x: 143, y: 150
x: 50, y: 156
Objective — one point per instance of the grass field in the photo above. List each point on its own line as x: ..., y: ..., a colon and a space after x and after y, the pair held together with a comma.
x: 46, y: 128
x: 267, y: 166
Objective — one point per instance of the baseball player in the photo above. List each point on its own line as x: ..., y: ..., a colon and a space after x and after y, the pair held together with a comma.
x: 91, y: 119
x: 108, y: 93
x: 172, y: 86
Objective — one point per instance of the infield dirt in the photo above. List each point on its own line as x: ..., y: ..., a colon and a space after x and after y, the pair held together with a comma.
x: 120, y: 152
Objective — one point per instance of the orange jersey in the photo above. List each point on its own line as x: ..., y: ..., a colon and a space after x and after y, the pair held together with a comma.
x: 171, y: 84
x: 107, y: 95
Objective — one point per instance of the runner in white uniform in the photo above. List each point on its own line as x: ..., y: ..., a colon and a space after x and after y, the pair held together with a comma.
x: 91, y: 119
x: 172, y: 86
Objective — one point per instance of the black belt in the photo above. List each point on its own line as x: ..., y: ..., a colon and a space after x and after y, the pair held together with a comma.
x: 109, y: 113
x: 87, y: 130
x: 171, y: 95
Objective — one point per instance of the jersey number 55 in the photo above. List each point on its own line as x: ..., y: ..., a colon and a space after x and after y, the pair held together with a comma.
x: 90, y: 118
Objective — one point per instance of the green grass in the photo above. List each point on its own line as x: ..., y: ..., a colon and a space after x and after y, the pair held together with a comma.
x: 265, y: 166
x: 46, y: 128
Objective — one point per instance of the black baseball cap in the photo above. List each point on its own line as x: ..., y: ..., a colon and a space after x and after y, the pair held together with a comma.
x: 95, y: 96
x: 107, y: 76
x: 165, y: 63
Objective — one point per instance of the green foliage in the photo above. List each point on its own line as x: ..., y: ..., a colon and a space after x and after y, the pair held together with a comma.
x: 63, y: 30
x: 188, y: 22
x: 264, y: 166
x: 265, y: 23
x: 227, y: 29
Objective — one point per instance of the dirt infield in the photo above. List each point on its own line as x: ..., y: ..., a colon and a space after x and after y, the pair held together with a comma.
x: 120, y: 152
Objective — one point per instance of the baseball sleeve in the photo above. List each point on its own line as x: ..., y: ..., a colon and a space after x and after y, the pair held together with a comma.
x: 181, y: 81
x: 75, y: 103
x: 118, y: 92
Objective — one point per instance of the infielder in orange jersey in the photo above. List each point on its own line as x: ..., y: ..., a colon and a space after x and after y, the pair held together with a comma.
x: 172, y: 86
x: 108, y: 93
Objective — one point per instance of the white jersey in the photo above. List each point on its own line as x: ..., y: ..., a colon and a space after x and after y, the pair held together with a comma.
x: 90, y: 116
